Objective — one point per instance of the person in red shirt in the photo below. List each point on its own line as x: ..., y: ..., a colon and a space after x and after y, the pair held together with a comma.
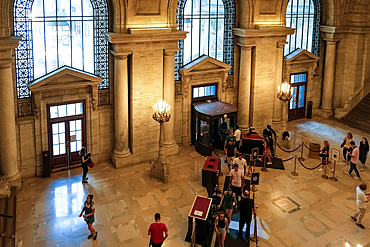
x: 156, y: 230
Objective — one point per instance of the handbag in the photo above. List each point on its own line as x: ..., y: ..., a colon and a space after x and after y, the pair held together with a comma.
x: 91, y: 164
x: 343, y: 143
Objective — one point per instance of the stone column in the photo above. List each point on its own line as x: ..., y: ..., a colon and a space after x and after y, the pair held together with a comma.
x: 278, y: 80
x: 244, y: 96
x: 121, y: 114
x: 328, y: 83
x: 8, y: 137
x: 170, y: 146
x: 284, y: 115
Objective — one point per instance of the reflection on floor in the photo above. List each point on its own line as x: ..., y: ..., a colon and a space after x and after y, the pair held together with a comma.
x: 303, y: 210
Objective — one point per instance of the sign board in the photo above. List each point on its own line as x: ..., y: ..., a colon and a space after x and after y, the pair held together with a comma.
x: 200, y: 207
x: 255, y: 178
x: 335, y: 154
x: 255, y: 153
x: 73, y: 138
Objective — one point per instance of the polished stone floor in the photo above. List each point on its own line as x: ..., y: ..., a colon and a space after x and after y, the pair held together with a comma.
x: 303, y: 210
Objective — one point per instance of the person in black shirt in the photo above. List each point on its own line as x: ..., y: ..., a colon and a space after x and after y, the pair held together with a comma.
x: 324, y: 154
x: 230, y: 153
x: 364, y: 151
x: 268, y: 133
x: 246, y: 208
x: 84, y: 160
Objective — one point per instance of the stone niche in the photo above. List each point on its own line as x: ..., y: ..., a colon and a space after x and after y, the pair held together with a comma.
x: 301, y: 61
x: 202, y: 71
x: 64, y: 85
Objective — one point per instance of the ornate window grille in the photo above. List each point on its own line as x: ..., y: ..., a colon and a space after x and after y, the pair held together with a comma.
x: 209, y: 23
x: 305, y: 16
x: 56, y: 33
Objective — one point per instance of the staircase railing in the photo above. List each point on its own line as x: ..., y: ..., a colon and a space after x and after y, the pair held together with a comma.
x: 349, y: 103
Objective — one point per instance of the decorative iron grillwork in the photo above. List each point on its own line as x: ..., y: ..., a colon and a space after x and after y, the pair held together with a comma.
x: 305, y: 16
x: 205, y: 19
x: 25, y: 54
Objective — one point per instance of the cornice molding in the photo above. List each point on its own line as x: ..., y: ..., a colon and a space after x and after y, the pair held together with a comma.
x: 122, y: 38
x: 263, y: 31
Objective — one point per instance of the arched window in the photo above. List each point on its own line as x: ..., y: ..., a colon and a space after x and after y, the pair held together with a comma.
x: 304, y: 15
x: 56, y: 33
x: 209, y: 23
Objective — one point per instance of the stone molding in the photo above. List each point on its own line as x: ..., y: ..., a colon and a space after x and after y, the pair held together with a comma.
x: 126, y: 39
x: 170, y: 52
x: 4, y: 188
x: 104, y: 97
x: 24, y: 107
x: 263, y: 31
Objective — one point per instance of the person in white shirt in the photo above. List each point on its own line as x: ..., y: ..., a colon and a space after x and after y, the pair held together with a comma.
x: 236, y: 181
x: 361, y: 201
x: 241, y: 162
x: 237, y: 135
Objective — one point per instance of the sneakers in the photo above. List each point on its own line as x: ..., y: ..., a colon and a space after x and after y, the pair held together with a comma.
x: 90, y: 236
x: 96, y: 235
x: 344, y: 160
x: 353, y: 218
x: 269, y: 163
x: 320, y: 169
x: 349, y: 174
x: 357, y: 178
x: 84, y: 181
x: 360, y: 225
x: 361, y: 169
x: 332, y: 170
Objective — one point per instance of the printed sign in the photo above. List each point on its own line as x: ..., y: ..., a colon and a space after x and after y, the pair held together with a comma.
x: 335, y: 155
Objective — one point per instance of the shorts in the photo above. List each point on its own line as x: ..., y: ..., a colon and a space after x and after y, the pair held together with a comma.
x: 221, y: 231
x: 237, y: 190
x: 157, y: 245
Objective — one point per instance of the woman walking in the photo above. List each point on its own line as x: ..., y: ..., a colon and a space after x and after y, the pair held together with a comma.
x: 221, y: 227
x: 324, y: 154
x: 89, y: 217
x: 364, y: 151
x: 84, y: 159
x: 347, y: 146
x: 267, y: 151
x: 228, y: 198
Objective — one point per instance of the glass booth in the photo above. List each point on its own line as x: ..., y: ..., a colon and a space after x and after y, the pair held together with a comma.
x: 211, y: 124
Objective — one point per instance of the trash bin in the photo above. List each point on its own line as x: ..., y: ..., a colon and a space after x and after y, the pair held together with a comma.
x: 309, y: 109
x: 314, y: 154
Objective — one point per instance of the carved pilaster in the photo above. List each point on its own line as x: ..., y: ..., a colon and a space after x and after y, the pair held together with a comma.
x: 94, y: 101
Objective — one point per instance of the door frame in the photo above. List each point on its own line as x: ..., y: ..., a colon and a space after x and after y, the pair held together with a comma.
x: 305, y: 95
x: 65, y: 119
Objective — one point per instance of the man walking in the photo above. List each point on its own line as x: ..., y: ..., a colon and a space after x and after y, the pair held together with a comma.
x: 236, y: 181
x: 156, y: 231
x: 268, y: 133
x: 241, y: 162
x: 354, y: 160
x: 230, y: 153
x: 361, y: 200
x: 246, y: 208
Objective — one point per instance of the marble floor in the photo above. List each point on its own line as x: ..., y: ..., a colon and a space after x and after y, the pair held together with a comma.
x: 303, y: 210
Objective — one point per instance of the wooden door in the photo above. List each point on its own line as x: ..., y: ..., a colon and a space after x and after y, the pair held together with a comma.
x: 66, y: 134
x: 297, y: 105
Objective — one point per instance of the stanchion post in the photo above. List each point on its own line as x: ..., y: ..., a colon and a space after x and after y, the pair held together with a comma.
x: 324, y: 176
x: 333, y: 178
x: 275, y: 149
x: 264, y: 169
x: 302, y: 158
x: 294, y: 172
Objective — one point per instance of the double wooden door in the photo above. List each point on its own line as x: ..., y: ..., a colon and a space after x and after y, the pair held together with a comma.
x: 67, y: 135
x: 297, y: 105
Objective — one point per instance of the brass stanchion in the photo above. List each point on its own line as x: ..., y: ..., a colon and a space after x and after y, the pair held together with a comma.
x: 275, y: 149
x: 301, y: 158
x: 333, y: 178
x: 249, y: 173
x: 324, y: 176
x: 264, y: 169
x: 294, y: 172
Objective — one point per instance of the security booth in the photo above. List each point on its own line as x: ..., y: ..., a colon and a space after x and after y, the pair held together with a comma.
x: 213, y: 122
